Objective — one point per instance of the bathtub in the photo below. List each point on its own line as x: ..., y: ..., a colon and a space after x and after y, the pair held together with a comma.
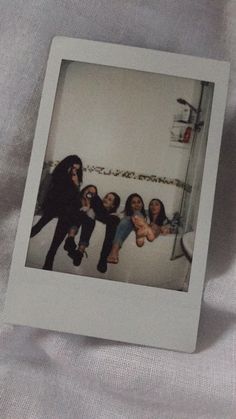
x: 149, y: 265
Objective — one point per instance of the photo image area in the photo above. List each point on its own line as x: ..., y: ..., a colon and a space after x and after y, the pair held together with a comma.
x: 135, y: 133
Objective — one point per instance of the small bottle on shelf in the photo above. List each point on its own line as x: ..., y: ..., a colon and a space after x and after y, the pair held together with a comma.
x: 187, y: 135
x: 186, y: 114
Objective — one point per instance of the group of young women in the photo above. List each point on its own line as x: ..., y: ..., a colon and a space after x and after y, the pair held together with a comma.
x: 76, y: 208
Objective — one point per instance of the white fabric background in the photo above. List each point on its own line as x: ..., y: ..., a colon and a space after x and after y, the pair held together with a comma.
x: 47, y: 375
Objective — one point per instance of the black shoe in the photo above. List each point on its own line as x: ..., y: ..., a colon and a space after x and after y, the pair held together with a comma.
x: 70, y: 245
x: 35, y: 230
x: 78, y: 256
x: 72, y: 254
x: 102, y: 266
x: 48, y: 264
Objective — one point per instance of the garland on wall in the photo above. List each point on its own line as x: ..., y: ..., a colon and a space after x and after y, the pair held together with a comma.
x: 127, y: 174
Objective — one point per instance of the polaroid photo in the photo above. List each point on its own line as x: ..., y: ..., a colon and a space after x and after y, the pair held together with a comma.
x: 113, y: 234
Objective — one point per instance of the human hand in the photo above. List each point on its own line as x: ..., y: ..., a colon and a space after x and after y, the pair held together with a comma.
x: 165, y: 230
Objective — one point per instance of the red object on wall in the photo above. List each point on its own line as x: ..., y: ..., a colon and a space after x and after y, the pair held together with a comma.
x: 187, y: 135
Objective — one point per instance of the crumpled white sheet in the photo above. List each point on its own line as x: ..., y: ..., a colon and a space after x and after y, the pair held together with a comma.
x: 49, y: 375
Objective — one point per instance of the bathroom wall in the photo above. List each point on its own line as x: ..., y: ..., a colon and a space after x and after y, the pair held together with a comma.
x: 121, y: 119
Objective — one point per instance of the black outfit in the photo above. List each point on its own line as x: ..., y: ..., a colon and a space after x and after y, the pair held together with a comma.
x: 59, y: 235
x: 63, y: 225
x: 110, y: 220
x: 87, y: 226
x: 62, y: 196
x: 62, y: 200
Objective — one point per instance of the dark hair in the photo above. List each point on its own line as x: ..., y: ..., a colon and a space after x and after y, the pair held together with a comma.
x: 61, y: 169
x: 86, y: 187
x: 116, y: 203
x: 128, y: 210
x: 162, y: 214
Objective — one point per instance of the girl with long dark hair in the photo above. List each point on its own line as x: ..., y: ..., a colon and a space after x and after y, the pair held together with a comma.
x: 103, y: 210
x: 134, y: 206
x: 158, y: 221
x: 63, y: 193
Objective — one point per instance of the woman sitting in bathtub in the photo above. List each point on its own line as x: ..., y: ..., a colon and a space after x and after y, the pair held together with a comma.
x: 84, y: 218
x: 72, y: 215
x: 103, y: 210
x: 106, y: 213
x: 158, y: 222
x: 134, y: 207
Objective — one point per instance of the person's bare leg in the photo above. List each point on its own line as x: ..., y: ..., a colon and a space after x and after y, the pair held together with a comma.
x: 143, y: 229
x: 82, y: 248
x: 153, y: 232
x: 139, y: 222
x: 72, y: 232
x: 140, y: 240
x: 114, y: 254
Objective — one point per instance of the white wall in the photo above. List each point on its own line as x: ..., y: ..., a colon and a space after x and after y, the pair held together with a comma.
x: 120, y: 118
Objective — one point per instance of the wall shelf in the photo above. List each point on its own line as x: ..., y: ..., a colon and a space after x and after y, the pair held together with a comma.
x: 182, y: 129
x: 180, y: 121
x: 179, y: 144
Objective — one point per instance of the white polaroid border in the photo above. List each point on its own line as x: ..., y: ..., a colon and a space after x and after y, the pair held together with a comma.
x: 97, y: 307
